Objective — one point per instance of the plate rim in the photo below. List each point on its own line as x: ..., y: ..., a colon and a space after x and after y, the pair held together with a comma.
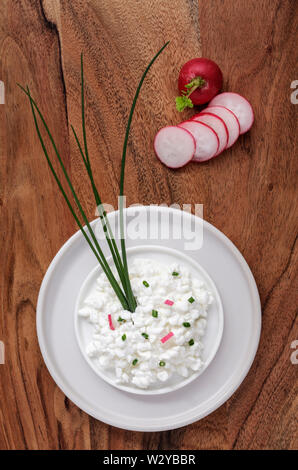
x: 184, y: 420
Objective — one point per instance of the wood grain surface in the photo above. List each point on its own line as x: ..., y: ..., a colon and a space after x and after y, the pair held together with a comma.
x: 249, y: 192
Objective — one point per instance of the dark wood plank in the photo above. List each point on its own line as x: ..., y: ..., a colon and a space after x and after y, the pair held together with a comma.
x: 249, y: 192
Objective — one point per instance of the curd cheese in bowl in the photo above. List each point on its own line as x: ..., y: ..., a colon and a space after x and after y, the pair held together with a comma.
x: 158, y: 344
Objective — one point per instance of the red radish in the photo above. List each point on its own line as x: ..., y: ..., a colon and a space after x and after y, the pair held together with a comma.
x: 174, y: 146
x: 240, y: 107
x: 199, y: 81
x: 207, y: 141
x: 218, y: 125
x: 230, y: 120
x: 169, y: 302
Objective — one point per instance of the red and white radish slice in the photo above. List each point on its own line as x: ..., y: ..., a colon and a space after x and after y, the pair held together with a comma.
x: 240, y: 107
x: 229, y: 119
x: 207, y: 142
x: 218, y: 125
x: 174, y: 146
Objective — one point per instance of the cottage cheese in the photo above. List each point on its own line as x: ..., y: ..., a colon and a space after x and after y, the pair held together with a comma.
x: 133, y: 350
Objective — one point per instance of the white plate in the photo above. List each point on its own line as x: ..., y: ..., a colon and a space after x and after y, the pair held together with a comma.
x: 242, y: 318
x: 84, y: 329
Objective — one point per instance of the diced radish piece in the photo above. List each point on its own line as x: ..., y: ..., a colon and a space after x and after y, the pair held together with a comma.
x: 207, y: 142
x: 218, y: 125
x: 111, y: 322
x: 174, y: 146
x: 240, y: 107
x: 169, y: 302
x: 230, y: 120
x: 167, y: 337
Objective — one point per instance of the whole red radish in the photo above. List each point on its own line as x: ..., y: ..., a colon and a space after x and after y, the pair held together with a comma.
x: 199, y: 81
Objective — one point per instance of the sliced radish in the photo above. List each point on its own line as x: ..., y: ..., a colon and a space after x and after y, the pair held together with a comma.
x: 240, y: 107
x: 207, y: 142
x: 230, y: 120
x: 174, y: 146
x: 218, y: 125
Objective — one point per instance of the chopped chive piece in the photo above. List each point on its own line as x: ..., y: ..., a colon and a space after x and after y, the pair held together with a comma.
x: 186, y: 324
x: 146, y: 336
x: 121, y: 320
x: 155, y: 313
x: 174, y: 273
x: 145, y: 283
x: 123, y: 337
x: 191, y: 300
x: 191, y: 342
x: 134, y: 362
x: 162, y: 363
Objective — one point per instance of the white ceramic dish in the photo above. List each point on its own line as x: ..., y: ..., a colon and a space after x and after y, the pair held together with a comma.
x: 60, y: 350
x: 215, y: 319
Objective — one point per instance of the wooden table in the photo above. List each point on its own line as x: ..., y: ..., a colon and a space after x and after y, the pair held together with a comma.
x: 249, y: 192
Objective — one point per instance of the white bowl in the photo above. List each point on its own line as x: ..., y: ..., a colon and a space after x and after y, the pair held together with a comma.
x: 211, y: 340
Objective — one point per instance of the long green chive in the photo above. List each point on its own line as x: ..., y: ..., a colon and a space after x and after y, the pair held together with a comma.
x: 134, y: 362
x: 123, y: 337
x: 146, y: 336
x: 186, y: 324
x: 126, y: 298
x: 155, y: 313
x: 191, y: 300
x: 145, y: 283
x: 162, y: 363
x: 105, y: 223
x: 191, y: 342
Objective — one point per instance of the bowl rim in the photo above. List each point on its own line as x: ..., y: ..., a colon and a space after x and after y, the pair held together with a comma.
x: 169, y: 388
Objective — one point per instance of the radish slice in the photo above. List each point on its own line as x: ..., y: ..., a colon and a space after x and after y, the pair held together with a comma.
x: 169, y: 302
x: 174, y: 146
x: 167, y: 337
x: 230, y: 120
x: 111, y: 322
x: 207, y: 142
x: 218, y: 125
x: 240, y: 107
